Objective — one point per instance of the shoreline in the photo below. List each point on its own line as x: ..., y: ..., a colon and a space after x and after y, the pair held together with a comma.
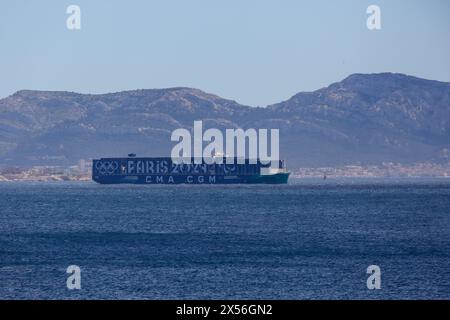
x: 293, y: 180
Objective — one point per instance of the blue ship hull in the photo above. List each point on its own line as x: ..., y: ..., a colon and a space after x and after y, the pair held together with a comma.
x: 164, y: 171
x: 279, y: 178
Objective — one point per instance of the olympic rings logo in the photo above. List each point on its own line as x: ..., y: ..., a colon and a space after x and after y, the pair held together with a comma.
x: 107, y: 167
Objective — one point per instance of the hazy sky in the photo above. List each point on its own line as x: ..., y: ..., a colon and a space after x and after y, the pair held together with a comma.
x: 256, y: 52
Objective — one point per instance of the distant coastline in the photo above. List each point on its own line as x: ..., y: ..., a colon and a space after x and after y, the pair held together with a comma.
x: 363, y: 120
x: 82, y: 172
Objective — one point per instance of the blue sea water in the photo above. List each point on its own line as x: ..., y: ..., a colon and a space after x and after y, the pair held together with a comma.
x: 310, y: 239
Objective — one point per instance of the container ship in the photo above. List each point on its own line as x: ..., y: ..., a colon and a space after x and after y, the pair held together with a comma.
x: 134, y: 170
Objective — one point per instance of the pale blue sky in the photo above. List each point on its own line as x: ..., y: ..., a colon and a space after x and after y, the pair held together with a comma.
x: 256, y: 52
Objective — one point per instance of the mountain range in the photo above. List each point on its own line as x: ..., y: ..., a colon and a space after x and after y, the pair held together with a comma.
x: 363, y: 119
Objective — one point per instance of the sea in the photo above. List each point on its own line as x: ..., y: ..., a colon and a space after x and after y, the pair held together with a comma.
x: 310, y: 239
